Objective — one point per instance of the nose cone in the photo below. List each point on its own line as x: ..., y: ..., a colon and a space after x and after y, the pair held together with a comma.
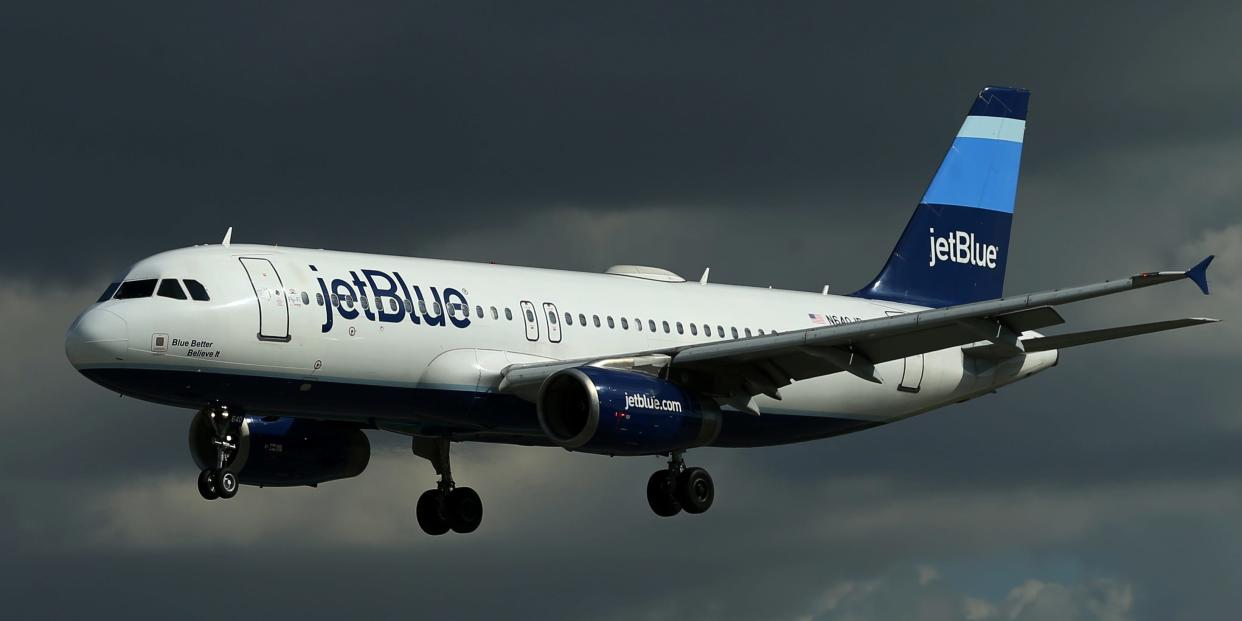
x: 97, y: 336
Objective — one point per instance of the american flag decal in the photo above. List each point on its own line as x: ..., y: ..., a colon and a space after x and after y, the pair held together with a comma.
x: 818, y: 319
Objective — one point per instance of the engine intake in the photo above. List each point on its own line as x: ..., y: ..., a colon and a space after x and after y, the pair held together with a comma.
x: 286, y: 452
x: 600, y: 410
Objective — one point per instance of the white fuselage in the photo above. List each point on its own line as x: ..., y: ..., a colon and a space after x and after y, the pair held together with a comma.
x: 478, y: 319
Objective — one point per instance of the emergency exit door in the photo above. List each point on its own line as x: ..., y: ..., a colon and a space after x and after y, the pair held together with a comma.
x: 532, y: 321
x: 269, y: 290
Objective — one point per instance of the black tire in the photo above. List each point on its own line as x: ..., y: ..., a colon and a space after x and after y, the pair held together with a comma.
x: 430, y: 512
x: 695, y: 490
x: 227, y: 484
x: 463, y: 509
x: 662, y: 493
x: 207, y: 486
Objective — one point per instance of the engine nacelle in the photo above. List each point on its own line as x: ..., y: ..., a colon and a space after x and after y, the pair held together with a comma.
x: 599, y: 410
x: 286, y: 452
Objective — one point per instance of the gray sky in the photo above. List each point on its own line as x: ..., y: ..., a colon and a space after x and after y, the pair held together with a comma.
x: 781, y: 144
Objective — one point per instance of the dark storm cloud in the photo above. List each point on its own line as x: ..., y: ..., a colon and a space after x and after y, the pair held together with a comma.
x: 382, y: 128
x: 781, y: 145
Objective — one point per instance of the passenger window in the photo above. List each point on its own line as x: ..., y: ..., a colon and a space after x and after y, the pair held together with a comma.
x: 366, y: 303
x: 720, y: 331
x: 638, y: 325
x: 439, y: 310
x: 170, y: 288
x: 651, y: 324
x: 760, y: 331
x: 197, y: 291
x: 551, y: 318
x: 666, y: 330
x: 707, y: 330
x: 569, y: 319
x: 392, y: 304
x: 680, y: 330
x: 734, y: 331
x: 508, y: 314
x: 319, y: 299
x: 335, y: 300
x: 582, y: 319
x: 107, y: 294
x: 495, y: 315
x: 694, y: 329
x: 136, y: 289
x: 596, y: 318
x: 530, y: 316
x: 478, y: 310
x: 747, y: 332
x: 625, y: 323
x: 610, y: 323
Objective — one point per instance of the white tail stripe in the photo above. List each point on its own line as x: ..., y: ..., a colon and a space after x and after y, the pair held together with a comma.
x: 993, y: 127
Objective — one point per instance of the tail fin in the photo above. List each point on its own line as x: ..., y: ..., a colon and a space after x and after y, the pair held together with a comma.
x: 954, y: 248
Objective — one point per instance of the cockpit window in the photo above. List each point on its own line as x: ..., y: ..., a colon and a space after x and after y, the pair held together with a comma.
x: 136, y: 289
x: 170, y: 288
x: 197, y: 290
x: 107, y: 294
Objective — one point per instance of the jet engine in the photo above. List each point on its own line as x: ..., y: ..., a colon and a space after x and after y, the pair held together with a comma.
x: 614, y: 412
x: 286, y: 452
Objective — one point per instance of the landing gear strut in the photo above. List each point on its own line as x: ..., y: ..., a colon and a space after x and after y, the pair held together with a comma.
x: 678, y: 488
x: 447, y: 506
x: 217, y: 481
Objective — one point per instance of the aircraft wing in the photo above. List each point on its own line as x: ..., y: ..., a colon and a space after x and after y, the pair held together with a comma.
x: 736, y: 370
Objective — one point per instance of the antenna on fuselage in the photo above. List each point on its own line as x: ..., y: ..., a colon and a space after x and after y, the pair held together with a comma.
x: 703, y: 280
x: 228, y: 237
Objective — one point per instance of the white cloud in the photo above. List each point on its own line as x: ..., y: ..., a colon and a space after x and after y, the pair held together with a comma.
x: 907, y: 595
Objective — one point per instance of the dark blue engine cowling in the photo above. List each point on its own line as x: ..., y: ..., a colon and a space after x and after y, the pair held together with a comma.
x: 599, y: 410
x: 285, y: 452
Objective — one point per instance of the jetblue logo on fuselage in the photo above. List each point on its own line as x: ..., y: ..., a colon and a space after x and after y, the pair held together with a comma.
x: 961, y: 247
x: 394, y: 300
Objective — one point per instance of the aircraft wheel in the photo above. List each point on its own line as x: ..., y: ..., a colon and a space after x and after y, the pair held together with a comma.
x: 662, y: 493
x: 463, y: 509
x: 695, y: 490
x: 430, y: 512
x: 207, y: 486
x: 227, y: 485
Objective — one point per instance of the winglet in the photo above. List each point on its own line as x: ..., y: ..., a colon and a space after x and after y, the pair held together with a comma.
x: 228, y: 237
x: 1198, y: 273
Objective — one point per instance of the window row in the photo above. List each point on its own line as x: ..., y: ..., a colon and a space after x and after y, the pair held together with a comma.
x: 145, y: 288
x: 665, y: 326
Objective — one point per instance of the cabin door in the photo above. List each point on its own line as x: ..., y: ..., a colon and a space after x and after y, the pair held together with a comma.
x: 269, y: 290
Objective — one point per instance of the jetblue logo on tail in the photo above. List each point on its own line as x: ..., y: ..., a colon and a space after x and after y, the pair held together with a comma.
x: 961, y: 247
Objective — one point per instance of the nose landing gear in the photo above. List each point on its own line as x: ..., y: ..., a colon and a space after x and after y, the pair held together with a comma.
x: 218, y: 482
x: 679, y: 488
x: 447, y: 507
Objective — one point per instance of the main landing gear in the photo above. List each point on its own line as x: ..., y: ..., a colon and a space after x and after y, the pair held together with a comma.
x: 218, y: 482
x: 447, y: 507
x: 678, y: 488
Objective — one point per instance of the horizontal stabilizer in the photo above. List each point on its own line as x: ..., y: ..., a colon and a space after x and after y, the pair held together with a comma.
x: 1062, y: 341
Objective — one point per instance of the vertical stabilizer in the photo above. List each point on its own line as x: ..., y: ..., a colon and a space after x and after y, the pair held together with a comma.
x: 953, y: 251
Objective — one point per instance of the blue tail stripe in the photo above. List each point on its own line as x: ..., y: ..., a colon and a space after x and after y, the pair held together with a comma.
x: 978, y: 172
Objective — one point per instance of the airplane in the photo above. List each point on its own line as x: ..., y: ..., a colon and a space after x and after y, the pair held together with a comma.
x: 287, y: 354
